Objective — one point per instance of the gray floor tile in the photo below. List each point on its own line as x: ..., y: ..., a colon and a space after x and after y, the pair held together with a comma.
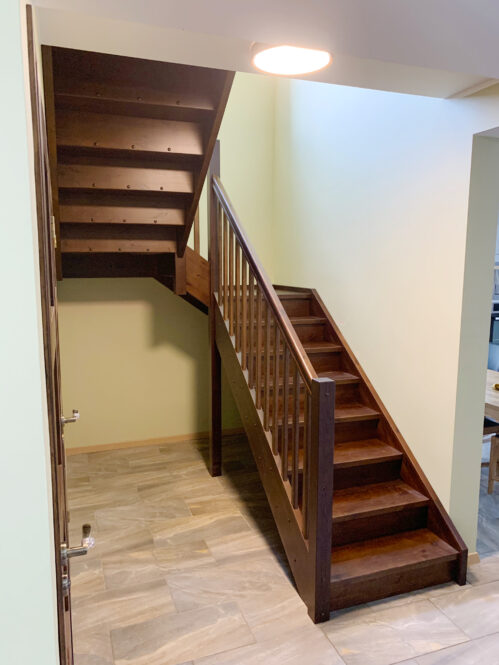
x: 393, y: 635
x: 168, y: 640
x: 484, y: 651
x: 474, y: 609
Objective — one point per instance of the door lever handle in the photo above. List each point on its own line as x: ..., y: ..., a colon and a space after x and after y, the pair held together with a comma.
x: 71, y: 419
x: 87, y: 542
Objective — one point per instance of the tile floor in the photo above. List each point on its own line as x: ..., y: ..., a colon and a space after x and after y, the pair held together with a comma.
x: 188, y: 569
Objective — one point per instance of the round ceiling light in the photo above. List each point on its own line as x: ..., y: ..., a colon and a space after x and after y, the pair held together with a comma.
x: 290, y: 60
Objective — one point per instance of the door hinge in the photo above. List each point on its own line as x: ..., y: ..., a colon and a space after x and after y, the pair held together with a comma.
x: 52, y: 228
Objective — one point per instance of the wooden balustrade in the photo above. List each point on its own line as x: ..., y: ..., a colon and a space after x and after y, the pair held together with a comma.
x: 295, y: 408
x: 276, y: 366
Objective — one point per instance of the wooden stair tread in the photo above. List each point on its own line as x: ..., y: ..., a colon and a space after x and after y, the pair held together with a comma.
x: 83, y: 176
x: 366, y: 451
x: 339, y: 376
x: 293, y: 295
x: 354, y: 412
x: 358, y: 453
x: 307, y: 320
x: 322, y: 347
x: 371, y: 558
x: 105, y: 214
x: 343, y: 413
x: 121, y: 132
x: 376, y: 499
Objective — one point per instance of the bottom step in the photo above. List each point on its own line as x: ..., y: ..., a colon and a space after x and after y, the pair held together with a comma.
x: 387, y: 566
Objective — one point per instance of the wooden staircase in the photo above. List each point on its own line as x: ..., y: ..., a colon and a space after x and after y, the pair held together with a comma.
x: 386, y: 536
x: 357, y: 516
x: 130, y: 143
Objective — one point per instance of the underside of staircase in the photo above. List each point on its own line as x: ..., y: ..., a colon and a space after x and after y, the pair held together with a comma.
x: 131, y: 144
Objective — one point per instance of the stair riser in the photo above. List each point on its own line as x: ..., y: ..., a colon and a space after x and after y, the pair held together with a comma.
x: 366, y: 474
x: 376, y: 526
x: 297, y: 307
x: 323, y: 362
x: 311, y: 332
x: 345, y: 392
x: 364, y: 429
x: 348, y: 593
x: 354, y: 431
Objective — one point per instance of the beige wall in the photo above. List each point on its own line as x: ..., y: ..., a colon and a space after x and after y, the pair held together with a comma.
x: 134, y: 361
x: 134, y: 357
x: 372, y: 210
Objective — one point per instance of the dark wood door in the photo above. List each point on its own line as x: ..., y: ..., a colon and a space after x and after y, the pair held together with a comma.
x: 48, y: 294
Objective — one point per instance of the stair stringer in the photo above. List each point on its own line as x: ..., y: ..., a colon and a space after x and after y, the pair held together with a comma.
x: 438, y: 519
x: 300, y: 552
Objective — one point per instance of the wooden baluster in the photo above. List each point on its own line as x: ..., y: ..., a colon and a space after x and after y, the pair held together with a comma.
x: 238, y: 297
x: 285, y: 414
x: 226, y: 282
x: 259, y: 347
x: 220, y: 257
x: 266, y: 384
x: 251, y: 363
x: 306, y: 451
x: 296, y: 438
x: 231, y: 281
x: 275, y: 411
x: 197, y: 244
x: 244, y: 314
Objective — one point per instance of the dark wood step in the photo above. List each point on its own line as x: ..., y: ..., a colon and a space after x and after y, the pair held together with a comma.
x: 345, y: 413
x: 382, y: 567
x: 340, y: 376
x: 376, y: 499
x: 307, y: 320
x: 133, y: 100
x: 102, y: 214
x: 89, y: 177
x: 312, y: 348
x: 359, y: 453
x: 296, y: 304
x: 354, y: 412
x: 354, y: 454
x: 359, y: 463
x: 123, y: 132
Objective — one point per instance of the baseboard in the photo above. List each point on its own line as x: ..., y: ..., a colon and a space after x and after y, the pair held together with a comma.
x: 179, y: 438
x: 473, y: 558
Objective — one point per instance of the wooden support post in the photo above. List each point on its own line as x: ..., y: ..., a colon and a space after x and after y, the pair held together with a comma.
x: 180, y: 275
x: 215, y: 461
x: 321, y: 495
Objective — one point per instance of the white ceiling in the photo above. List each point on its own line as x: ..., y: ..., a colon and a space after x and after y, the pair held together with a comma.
x: 431, y: 47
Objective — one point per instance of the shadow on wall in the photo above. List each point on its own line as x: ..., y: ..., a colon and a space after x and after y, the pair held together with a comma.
x: 134, y: 360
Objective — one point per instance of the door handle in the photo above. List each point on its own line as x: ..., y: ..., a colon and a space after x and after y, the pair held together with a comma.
x: 71, y: 419
x: 87, y: 542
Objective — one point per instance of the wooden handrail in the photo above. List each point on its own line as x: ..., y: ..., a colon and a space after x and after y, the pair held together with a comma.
x: 294, y: 343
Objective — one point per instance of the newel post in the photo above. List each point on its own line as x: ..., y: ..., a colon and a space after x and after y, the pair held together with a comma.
x: 215, y: 460
x: 321, y: 496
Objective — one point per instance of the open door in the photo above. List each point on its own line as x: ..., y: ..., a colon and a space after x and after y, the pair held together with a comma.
x: 48, y: 293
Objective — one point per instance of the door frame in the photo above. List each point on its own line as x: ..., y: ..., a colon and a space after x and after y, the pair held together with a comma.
x: 48, y: 300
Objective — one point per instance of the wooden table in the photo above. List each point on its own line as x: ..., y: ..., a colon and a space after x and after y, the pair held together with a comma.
x: 492, y: 396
